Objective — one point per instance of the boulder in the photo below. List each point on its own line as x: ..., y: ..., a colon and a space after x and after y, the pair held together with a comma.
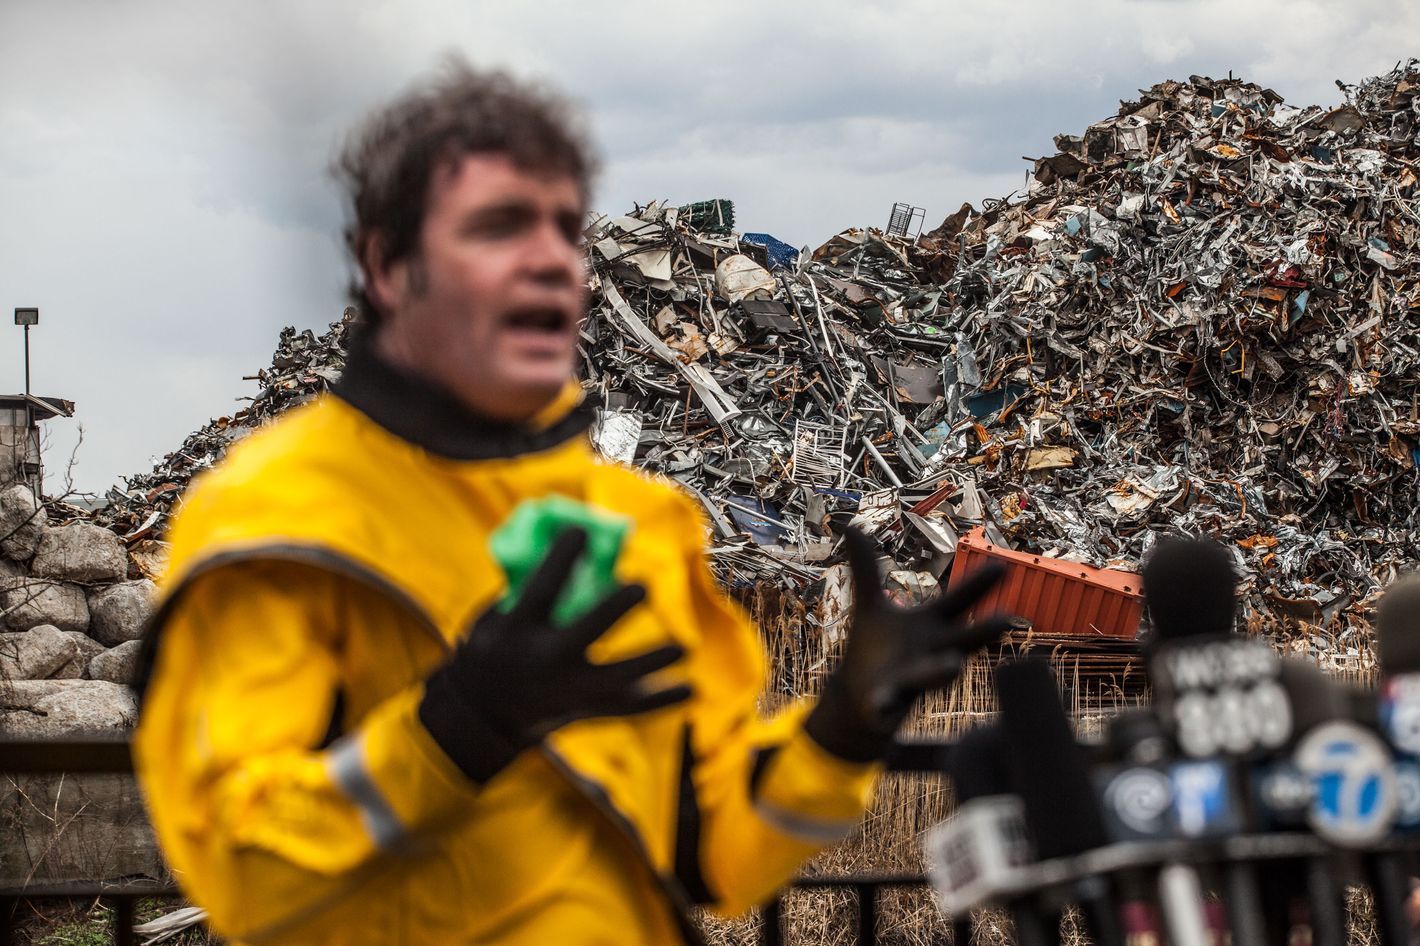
x: 85, y: 650
x: 30, y: 602
x: 117, y: 613
x: 117, y: 664
x: 80, y: 551
x: 10, y: 574
x: 36, y: 654
x: 50, y: 709
x: 22, y: 522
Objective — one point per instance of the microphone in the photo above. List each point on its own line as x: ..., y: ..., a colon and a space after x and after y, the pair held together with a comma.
x: 1233, y: 698
x: 1217, y: 692
x: 1219, y: 695
x: 1134, y: 786
x: 1137, y: 797
x: 982, y: 854
x: 1282, y: 794
x: 1398, y: 716
x: 1398, y: 638
x: 1050, y: 773
x: 1354, y: 807
x: 1355, y: 800
x: 1398, y: 652
x: 1289, y: 789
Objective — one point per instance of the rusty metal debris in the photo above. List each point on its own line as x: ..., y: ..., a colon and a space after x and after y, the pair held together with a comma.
x: 1203, y: 314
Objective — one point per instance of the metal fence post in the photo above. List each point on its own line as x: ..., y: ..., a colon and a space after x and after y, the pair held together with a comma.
x: 8, y: 907
x: 867, y: 913
x: 123, y: 934
x: 771, y: 923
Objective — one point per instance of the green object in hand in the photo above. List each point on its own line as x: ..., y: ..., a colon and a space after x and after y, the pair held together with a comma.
x: 524, y: 538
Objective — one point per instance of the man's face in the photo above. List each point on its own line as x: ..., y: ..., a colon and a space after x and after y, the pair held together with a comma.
x: 489, y: 307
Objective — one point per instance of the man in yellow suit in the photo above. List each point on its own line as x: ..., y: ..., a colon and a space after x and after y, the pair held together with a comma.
x: 353, y: 733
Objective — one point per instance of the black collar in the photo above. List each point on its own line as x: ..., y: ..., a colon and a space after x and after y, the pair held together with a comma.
x: 427, y: 416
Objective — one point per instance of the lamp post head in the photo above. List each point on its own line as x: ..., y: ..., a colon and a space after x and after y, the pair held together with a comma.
x: 26, y: 316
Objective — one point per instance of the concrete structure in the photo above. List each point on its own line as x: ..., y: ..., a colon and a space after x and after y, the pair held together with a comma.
x: 20, y: 415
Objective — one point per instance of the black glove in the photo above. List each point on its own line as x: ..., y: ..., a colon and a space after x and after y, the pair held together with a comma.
x: 516, y: 677
x: 893, y: 655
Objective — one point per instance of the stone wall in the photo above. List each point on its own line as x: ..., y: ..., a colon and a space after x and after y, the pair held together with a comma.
x: 72, y: 607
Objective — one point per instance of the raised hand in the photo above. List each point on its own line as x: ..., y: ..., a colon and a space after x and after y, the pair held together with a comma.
x: 895, y: 654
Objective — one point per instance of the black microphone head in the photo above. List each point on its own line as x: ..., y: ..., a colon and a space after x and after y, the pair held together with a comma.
x: 1048, y: 768
x: 1398, y: 628
x: 1190, y: 589
x: 1312, y: 697
x: 977, y: 766
x: 1361, y: 705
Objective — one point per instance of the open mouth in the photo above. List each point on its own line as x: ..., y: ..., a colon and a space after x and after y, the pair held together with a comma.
x: 551, y: 321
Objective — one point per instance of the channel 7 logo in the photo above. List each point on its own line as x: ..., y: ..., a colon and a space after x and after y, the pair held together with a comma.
x: 1357, y: 797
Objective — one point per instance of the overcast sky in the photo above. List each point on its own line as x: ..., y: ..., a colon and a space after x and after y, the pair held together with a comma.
x: 163, y: 188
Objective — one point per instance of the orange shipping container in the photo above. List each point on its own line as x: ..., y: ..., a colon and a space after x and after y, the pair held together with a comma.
x: 1064, y: 598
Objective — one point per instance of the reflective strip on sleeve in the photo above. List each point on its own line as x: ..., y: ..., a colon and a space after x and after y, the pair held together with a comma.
x: 803, y: 827
x: 346, y: 763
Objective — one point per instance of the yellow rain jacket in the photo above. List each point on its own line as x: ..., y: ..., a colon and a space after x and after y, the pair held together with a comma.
x: 317, y: 577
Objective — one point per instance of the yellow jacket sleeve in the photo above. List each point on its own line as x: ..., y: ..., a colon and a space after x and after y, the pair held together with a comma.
x: 768, y: 796
x: 262, y: 817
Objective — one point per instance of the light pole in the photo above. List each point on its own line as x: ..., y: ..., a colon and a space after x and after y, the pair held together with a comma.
x: 28, y: 316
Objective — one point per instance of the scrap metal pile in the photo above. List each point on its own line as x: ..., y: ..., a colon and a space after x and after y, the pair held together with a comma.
x: 1203, y: 315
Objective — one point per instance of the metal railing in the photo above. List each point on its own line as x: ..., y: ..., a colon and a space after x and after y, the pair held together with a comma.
x: 122, y: 899
x: 866, y: 887
x: 89, y: 757
x: 113, y: 757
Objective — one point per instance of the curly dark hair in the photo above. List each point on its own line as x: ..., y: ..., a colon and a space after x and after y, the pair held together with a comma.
x: 388, y: 162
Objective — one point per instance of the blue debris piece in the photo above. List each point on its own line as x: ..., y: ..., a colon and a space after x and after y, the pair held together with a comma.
x: 847, y: 495
x: 989, y: 402
x: 936, y: 436
x: 781, y: 255
x: 758, y: 518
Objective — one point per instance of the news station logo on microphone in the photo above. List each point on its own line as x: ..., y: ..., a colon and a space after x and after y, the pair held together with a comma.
x: 1224, y: 697
x: 1356, y: 792
x: 1138, y: 803
x: 1400, y: 711
x: 1400, y: 721
x: 1204, y: 806
x: 1407, y: 786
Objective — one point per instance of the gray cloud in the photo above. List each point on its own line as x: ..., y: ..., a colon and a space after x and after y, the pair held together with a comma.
x: 162, y: 175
